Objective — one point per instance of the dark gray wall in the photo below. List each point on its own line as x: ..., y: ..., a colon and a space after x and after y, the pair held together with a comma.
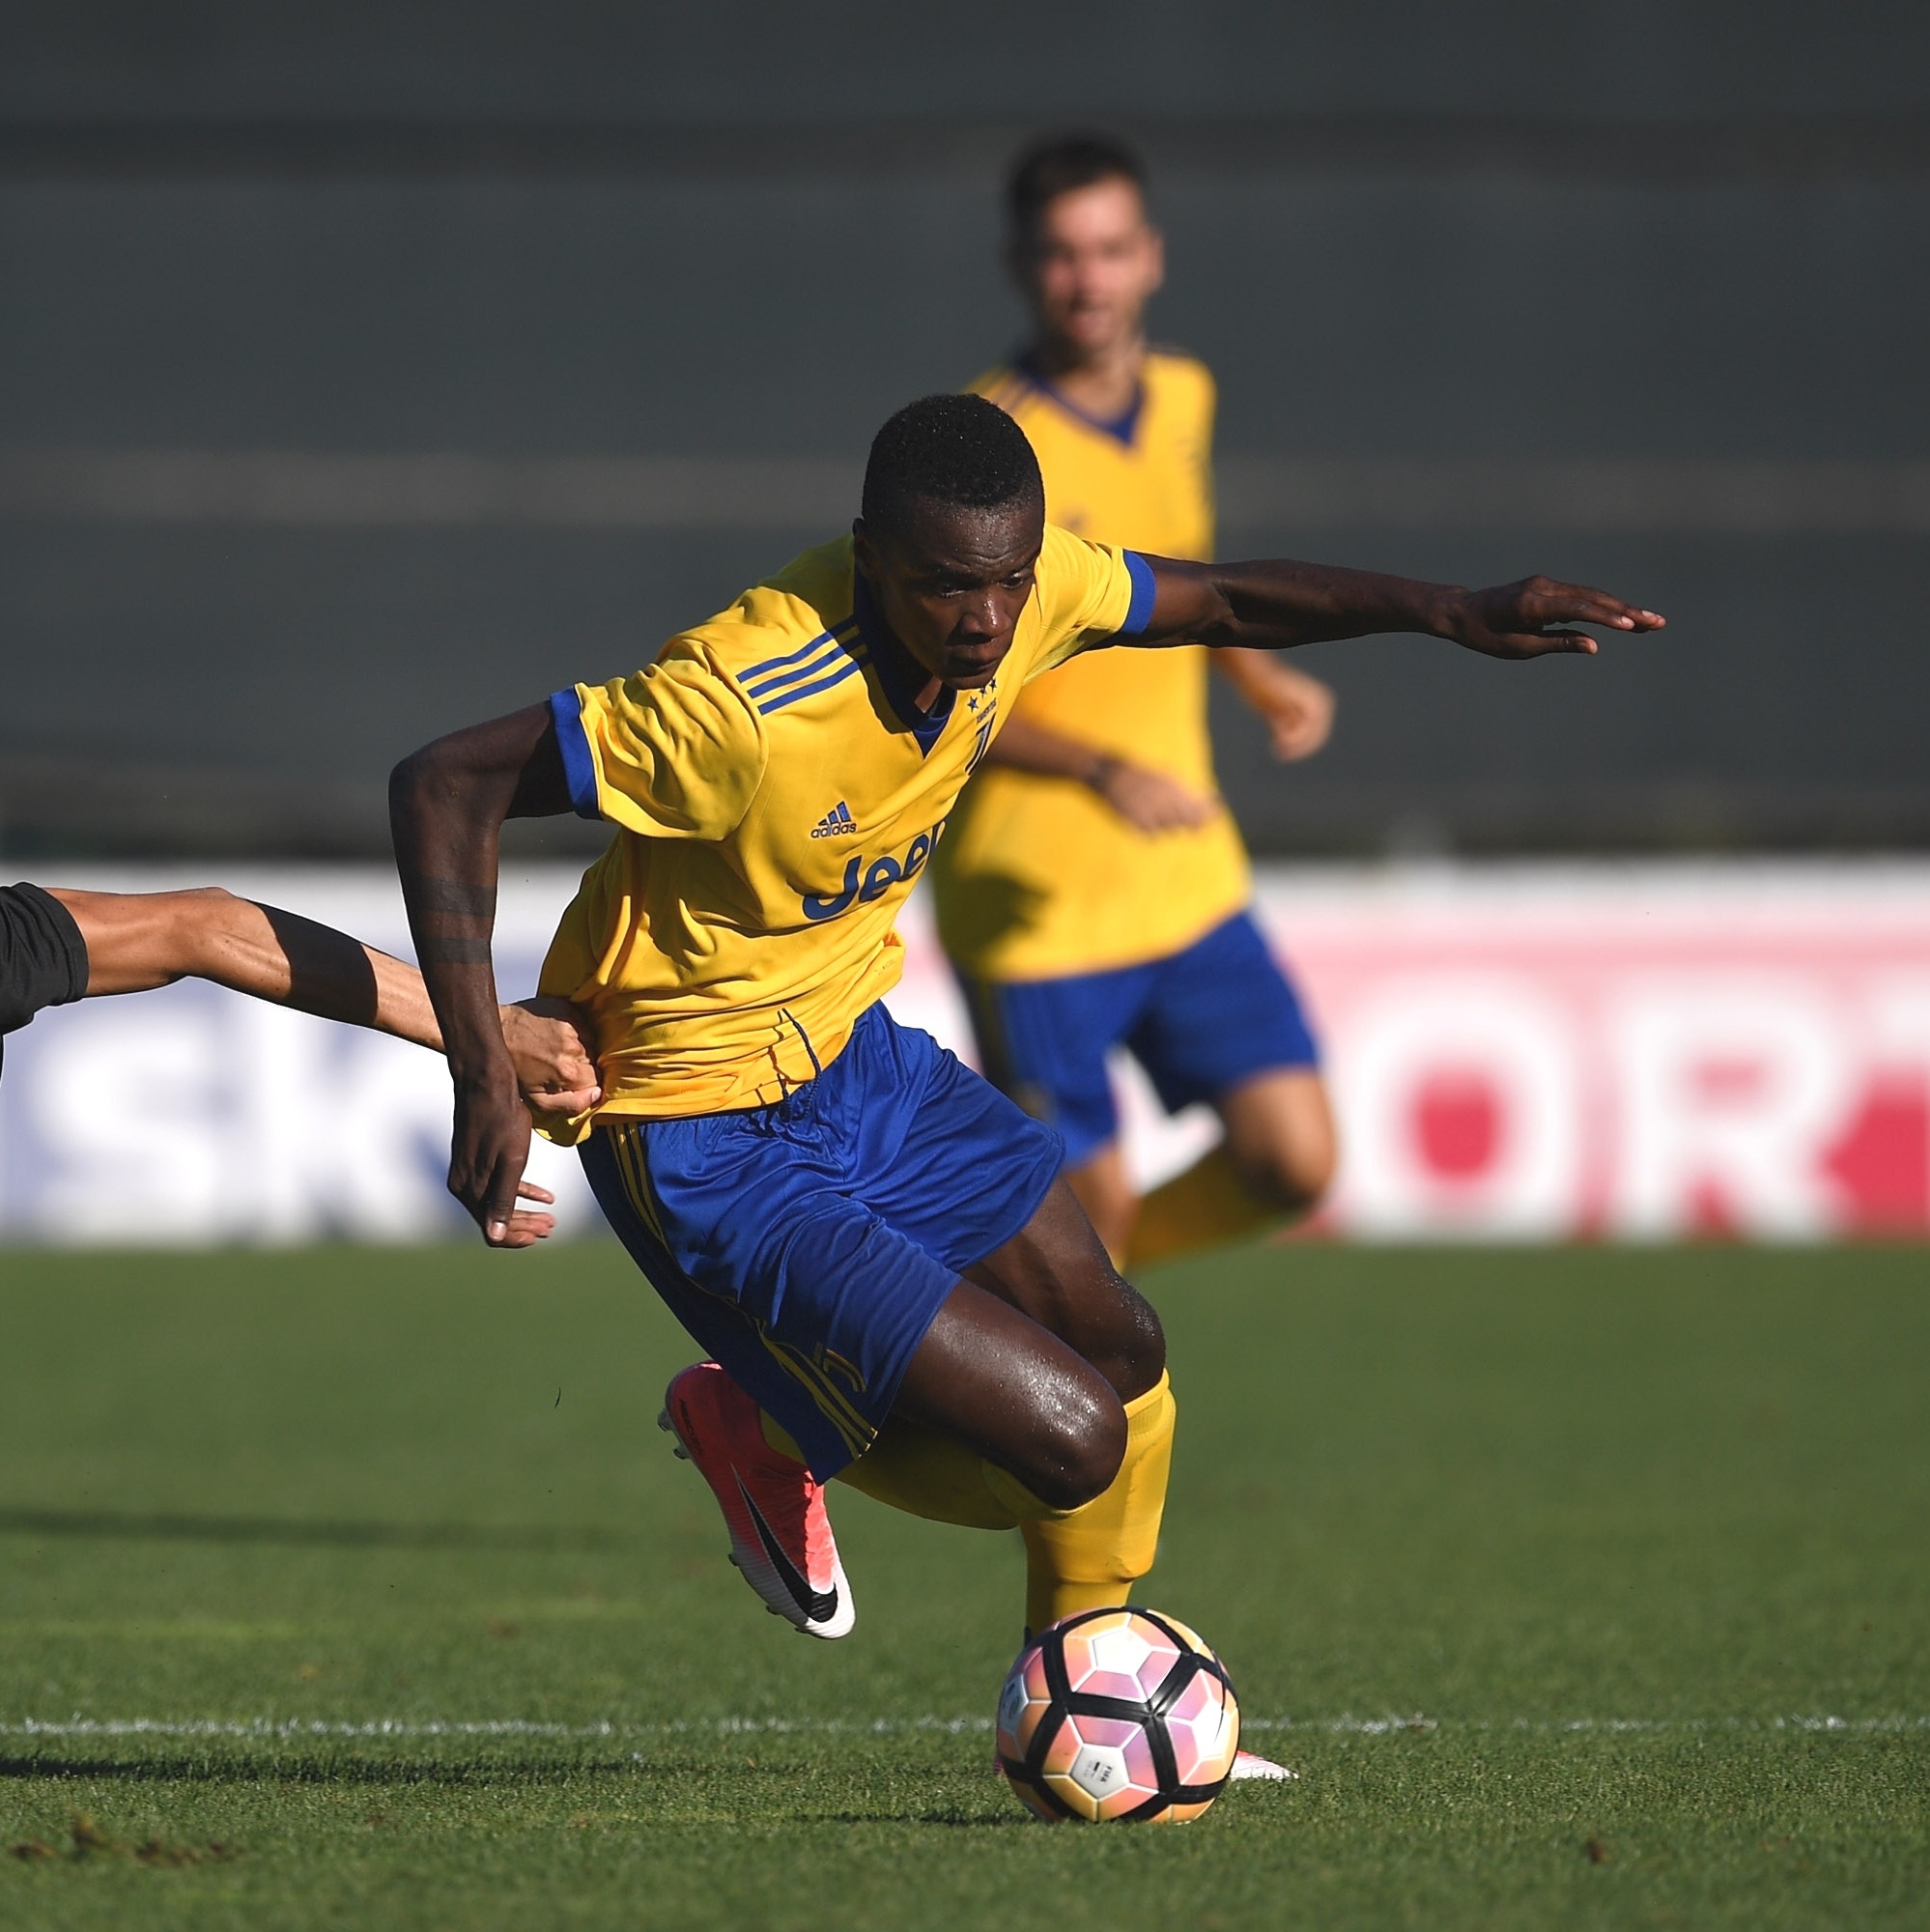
x: 582, y: 59
x: 1399, y: 233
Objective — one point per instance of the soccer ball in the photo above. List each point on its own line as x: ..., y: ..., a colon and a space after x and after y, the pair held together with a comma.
x: 1118, y: 1713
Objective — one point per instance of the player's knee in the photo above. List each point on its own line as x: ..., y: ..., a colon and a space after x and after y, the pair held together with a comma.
x: 1280, y: 1136
x: 1290, y: 1168
x: 1077, y: 1447
x: 1297, y: 1174
x: 1134, y: 1352
x: 1117, y: 1330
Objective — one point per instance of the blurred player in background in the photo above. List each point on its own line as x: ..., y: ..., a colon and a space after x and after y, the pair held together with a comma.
x: 1093, y: 891
x: 58, y: 946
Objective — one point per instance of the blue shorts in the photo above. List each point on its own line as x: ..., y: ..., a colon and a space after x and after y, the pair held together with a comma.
x: 1199, y: 1021
x: 807, y: 1245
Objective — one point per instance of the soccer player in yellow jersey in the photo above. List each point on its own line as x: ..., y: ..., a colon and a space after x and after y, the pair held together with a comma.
x: 875, y: 1248
x: 1093, y: 891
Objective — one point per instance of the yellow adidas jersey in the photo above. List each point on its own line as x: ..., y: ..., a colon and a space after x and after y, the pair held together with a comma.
x: 776, y: 793
x: 1039, y: 876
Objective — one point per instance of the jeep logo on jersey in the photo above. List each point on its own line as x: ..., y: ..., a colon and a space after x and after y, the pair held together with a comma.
x: 862, y: 883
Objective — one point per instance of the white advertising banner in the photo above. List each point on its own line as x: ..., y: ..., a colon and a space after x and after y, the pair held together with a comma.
x: 1517, y: 1053
x: 191, y: 1116
x: 1641, y: 1053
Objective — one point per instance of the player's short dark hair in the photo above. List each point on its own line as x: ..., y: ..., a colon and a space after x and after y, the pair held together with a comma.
x: 960, y: 451
x: 1059, y: 165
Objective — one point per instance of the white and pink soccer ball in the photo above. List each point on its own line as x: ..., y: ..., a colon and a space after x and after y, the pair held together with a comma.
x: 1118, y: 1714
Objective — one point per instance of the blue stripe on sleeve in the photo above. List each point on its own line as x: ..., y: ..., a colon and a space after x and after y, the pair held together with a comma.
x: 765, y: 686
x: 790, y: 658
x: 791, y: 696
x: 1139, y: 613
x: 578, y: 767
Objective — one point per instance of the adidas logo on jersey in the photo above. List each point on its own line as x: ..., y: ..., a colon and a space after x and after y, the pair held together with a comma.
x: 837, y: 823
x: 861, y: 882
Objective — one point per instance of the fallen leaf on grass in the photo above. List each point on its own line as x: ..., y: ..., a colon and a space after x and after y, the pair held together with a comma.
x: 1598, y: 1852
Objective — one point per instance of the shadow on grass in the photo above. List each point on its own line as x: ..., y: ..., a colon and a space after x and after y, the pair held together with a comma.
x: 951, y: 1821
x: 680, y: 1782
x: 185, y: 1768
x: 183, y: 1528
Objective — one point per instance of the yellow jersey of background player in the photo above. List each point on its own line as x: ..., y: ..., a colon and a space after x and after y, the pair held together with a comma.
x: 1093, y: 890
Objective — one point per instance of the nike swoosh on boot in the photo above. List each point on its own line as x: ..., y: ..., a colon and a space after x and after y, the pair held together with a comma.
x: 819, y: 1606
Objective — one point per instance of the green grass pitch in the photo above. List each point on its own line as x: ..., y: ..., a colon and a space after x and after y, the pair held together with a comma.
x: 1584, y: 1588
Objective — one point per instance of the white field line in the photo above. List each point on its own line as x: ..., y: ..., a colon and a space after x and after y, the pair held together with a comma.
x: 295, y: 1729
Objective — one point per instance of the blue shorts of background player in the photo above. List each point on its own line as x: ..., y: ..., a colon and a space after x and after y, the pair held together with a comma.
x: 1200, y: 1021
x: 808, y: 1246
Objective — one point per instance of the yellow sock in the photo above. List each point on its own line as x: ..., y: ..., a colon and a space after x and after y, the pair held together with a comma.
x: 1201, y: 1208
x: 1087, y: 1558
x: 927, y: 1473
x: 1090, y: 1558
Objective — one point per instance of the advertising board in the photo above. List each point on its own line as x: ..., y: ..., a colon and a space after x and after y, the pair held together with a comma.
x: 1517, y: 1053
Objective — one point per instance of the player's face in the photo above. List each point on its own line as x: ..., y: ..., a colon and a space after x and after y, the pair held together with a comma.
x: 1092, y: 265
x: 952, y: 588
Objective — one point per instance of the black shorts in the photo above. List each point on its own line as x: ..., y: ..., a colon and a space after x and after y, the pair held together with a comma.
x: 42, y: 956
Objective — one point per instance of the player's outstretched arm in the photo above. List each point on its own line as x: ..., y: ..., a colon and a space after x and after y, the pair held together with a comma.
x: 447, y: 804
x: 138, y: 941
x: 1275, y: 604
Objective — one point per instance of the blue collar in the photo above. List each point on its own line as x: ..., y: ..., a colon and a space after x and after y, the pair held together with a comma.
x: 1121, y: 428
x: 895, y: 667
